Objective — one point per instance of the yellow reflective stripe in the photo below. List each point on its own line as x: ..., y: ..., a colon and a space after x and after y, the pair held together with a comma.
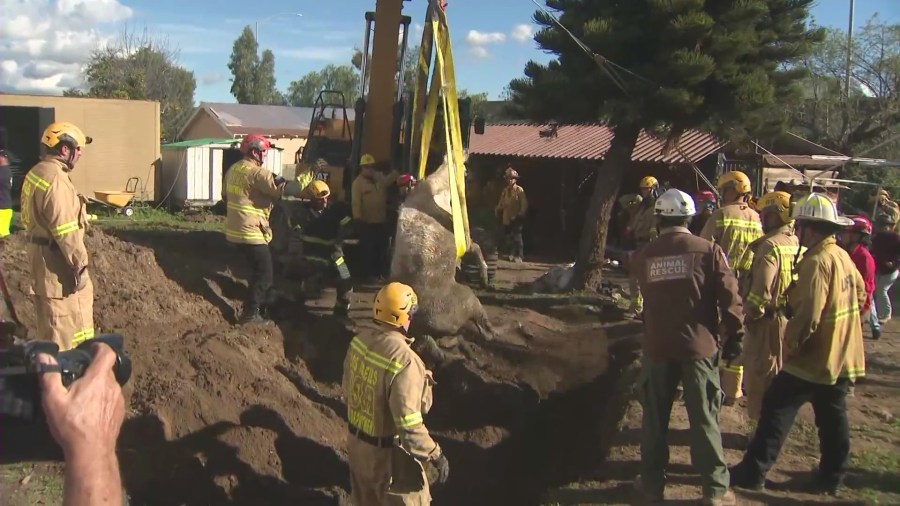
x: 248, y: 209
x: 82, y: 336
x: 753, y: 298
x: 315, y: 240
x: 37, y: 181
x: 854, y: 373
x: 410, y: 420
x: 841, y: 315
x: 65, y: 228
x: 375, y: 359
x: 733, y: 368
x: 346, y: 220
x: 738, y: 223
x: 339, y: 261
x: 244, y: 235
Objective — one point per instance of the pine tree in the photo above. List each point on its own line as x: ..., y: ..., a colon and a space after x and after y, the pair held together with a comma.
x: 723, y: 66
x: 243, y: 66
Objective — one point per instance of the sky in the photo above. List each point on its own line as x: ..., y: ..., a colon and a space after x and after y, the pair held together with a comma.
x: 45, y: 43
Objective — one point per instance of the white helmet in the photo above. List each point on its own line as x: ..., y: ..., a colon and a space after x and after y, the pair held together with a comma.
x: 675, y: 203
x: 818, y: 207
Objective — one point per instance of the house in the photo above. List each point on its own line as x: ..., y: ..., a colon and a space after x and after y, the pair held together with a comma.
x: 558, y: 166
x: 126, y: 139
x: 287, y: 127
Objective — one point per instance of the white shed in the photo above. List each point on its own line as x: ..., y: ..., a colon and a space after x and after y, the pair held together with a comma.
x: 191, y: 172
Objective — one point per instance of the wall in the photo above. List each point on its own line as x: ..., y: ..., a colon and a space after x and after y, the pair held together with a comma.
x: 126, y: 137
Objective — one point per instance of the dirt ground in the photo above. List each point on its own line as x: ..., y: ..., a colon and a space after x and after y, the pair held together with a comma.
x: 222, y: 414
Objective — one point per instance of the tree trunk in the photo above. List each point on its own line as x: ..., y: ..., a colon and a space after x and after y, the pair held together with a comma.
x: 592, y: 247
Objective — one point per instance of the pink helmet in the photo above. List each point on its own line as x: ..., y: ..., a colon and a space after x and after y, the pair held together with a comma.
x: 406, y: 180
x: 860, y: 224
x: 706, y: 195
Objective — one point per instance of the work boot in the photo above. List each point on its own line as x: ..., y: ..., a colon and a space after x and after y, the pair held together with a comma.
x: 726, y: 499
x: 644, y: 496
x: 876, y: 334
x: 341, y: 310
x: 517, y: 260
x: 252, y: 316
x: 742, y: 478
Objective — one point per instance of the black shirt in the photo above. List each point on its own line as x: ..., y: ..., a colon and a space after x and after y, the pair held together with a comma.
x: 5, y: 184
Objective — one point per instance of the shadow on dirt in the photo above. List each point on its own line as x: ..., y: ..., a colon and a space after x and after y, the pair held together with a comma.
x: 201, y: 468
x: 196, y: 260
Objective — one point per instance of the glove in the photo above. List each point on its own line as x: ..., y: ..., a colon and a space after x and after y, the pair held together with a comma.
x: 732, y: 349
x: 81, y: 278
x: 442, y: 466
x: 280, y: 180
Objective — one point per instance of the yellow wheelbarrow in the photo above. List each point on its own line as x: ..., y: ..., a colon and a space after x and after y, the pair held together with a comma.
x: 121, y: 201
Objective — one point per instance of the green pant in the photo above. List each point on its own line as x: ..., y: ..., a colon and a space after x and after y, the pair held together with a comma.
x: 703, y: 398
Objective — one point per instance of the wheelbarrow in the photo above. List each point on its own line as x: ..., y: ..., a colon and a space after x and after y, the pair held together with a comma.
x: 121, y: 201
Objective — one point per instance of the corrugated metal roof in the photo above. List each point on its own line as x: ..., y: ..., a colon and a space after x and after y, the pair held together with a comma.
x: 268, y: 120
x: 586, y: 141
x: 196, y: 142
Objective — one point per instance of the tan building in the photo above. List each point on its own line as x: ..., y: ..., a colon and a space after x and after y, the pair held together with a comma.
x: 126, y: 137
x: 287, y: 127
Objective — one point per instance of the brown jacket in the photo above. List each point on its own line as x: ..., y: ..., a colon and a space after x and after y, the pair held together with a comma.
x: 733, y: 227
x: 686, y: 284
x: 643, y: 225
x: 54, y: 215
x: 369, y: 197
x: 250, y: 192
x: 512, y: 204
x: 771, y: 272
x: 388, y: 390
x: 823, y: 339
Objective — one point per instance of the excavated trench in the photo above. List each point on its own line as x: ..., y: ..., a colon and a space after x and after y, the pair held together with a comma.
x: 219, y: 415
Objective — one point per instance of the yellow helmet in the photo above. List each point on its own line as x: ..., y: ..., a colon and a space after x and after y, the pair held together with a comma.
x: 63, y: 131
x: 734, y: 179
x: 366, y: 159
x: 776, y: 202
x: 395, y: 304
x: 318, y: 189
x: 648, y: 182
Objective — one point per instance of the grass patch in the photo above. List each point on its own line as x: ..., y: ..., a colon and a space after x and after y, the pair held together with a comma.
x: 43, y: 484
x: 147, y: 218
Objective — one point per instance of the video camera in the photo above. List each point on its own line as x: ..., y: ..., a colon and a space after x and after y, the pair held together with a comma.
x: 19, y: 369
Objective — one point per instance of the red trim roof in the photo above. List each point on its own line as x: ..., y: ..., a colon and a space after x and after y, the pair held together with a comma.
x: 586, y: 141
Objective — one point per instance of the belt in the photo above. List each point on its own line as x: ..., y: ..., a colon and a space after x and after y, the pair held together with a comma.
x: 43, y: 241
x: 378, y: 442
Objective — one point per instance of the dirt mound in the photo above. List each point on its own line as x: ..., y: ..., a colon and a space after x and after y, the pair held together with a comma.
x: 221, y: 414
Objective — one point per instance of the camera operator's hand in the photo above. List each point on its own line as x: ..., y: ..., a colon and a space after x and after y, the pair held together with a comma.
x: 85, y: 420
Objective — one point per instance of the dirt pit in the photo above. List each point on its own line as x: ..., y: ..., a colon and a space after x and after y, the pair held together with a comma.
x: 222, y: 414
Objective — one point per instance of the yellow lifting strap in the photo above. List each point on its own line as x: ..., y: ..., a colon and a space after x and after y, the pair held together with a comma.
x: 443, y: 88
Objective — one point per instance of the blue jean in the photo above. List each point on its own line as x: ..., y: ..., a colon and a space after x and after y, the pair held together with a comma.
x: 881, y: 303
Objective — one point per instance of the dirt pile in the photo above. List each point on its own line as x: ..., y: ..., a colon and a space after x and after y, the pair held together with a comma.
x: 221, y: 414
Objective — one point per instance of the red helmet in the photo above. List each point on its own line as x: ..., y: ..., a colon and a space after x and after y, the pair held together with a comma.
x: 254, y: 141
x: 706, y: 195
x: 861, y: 224
x: 406, y: 180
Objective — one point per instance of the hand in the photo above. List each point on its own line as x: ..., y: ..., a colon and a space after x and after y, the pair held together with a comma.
x: 732, y: 349
x: 442, y: 466
x: 86, y: 418
x: 81, y: 278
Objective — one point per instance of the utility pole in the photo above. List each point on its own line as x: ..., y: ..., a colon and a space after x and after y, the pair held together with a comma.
x: 849, y: 51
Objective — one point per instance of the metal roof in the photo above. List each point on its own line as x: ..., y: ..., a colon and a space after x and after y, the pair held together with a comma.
x: 207, y: 141
x: 584, y: 141
x: 268, y: 120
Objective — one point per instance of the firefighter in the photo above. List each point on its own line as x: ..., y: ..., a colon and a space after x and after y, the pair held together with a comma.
x: 641, y: 231
x: 823, y: 353
x: 733, y: 227
x: 250, y: 192
x: 323, y: 232
x: 629, y: 205
x: 511, y: 210
x: 687, y: 285
x: 54, y: 216
x: 388, y: 390
x: 888, y: 207
x: 369, y: 201
x: 771, y: 273
x: 305, y: 175
x: 706, y: 204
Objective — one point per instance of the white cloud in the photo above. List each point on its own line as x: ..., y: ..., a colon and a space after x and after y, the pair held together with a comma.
x: 210, y: 79
x: 522, y: 33
x: 479, y: 52
x: 476, y: 38
x: 44, y: 45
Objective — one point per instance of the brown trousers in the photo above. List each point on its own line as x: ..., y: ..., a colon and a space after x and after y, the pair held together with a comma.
x: 762, y: 359
x: 68, y: 321
x: 385, y: 477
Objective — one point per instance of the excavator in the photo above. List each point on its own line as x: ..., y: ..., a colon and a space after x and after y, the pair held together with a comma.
x: 420, y: 133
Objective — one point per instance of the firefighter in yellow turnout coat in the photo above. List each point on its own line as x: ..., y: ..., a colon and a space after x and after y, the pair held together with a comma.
x: 55, y: 219
x: 764, y: 297
x: 823, y: 353
x: 733, y: 227
x: 388, y: 390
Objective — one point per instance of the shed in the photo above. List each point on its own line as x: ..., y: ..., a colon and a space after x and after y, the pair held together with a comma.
x: 125, y: 132
x: 192, y: 171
